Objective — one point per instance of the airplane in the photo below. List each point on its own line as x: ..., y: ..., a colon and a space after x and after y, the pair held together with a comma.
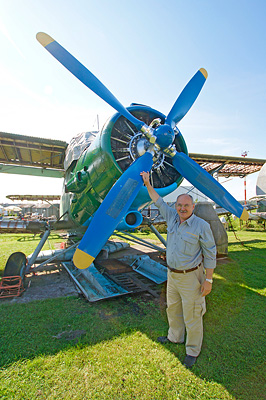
x: 103, y: 190
x: 260, y: 197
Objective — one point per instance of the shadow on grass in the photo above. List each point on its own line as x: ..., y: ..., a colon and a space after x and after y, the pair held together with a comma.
x: 235, y: 339
x: 234, y: 343
x: 37, y: 237
x: 247, y: 244
x: 251, y: 272
x: 28, y: 237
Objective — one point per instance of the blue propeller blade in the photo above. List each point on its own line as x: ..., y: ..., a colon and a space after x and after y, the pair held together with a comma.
x: 84, y: 75
x: 186, y: 98
x: 204, y: 182
x: 111, y: 211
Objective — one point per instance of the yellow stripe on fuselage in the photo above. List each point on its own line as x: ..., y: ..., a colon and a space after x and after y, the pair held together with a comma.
x: 81, y: 259
x: 44, y: 39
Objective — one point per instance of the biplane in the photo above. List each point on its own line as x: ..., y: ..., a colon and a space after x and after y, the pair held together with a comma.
x: 103, y: 190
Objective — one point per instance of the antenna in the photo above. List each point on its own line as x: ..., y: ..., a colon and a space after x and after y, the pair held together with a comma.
x: 97, y: 123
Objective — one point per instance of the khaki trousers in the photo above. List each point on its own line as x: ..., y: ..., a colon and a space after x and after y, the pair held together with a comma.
x: 185, y: 309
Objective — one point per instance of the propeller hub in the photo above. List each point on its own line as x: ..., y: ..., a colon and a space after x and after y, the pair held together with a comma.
x: 165, y: 135
x: 138, y: 146
x: 141, y: 146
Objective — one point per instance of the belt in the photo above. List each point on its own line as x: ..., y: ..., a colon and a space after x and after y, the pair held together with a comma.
x: 183, y: 271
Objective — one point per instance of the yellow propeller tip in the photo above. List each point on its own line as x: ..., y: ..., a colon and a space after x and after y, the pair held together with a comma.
x: 44, y: 39
x: 244, y: 215
x: 81, y: 259
x: 204, y: 72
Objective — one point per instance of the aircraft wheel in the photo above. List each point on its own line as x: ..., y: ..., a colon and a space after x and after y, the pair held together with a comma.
x: 16, y: 265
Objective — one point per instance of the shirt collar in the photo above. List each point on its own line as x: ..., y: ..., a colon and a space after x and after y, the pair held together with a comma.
x: 189, y: 221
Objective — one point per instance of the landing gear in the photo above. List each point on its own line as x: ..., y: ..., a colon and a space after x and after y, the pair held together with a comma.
x: 13, y: 282
x: 16, y: 265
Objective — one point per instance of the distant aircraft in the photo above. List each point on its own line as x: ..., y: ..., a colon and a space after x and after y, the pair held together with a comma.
x: 260, y: 215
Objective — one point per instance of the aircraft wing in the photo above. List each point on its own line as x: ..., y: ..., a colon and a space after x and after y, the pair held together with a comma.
x: 228, y: 166
x: 222, y: 211
x: 259, y: 216
x: 26, y: 155
x: 22, y: 226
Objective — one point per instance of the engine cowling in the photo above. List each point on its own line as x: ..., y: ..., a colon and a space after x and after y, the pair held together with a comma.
x: 113, y: 150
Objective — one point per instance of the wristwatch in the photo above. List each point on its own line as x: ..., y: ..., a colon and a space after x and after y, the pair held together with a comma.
x: 209, y: 280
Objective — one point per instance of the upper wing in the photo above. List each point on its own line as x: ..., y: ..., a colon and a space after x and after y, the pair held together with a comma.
x: 28, y: 155
x: 227, y: 165
x: 20, y: 154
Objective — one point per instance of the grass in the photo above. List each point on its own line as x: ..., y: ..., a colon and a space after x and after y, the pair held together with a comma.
x: 12, y: 242
x: 70, y: 349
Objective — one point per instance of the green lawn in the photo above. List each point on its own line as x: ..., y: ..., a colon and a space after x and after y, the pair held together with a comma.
x: 12, y: 242
x: 68, y: 348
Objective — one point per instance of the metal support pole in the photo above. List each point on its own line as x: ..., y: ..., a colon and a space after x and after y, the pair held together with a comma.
x: 245, y: 190
x: 154, y: 230
x: 140, y: 241
x: 159, y: 236
x: 55, y: 256
x: 37, y: 250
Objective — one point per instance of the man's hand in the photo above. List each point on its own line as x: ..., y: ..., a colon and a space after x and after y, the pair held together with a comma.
x: 145, y: 177
x: 206, y: 288
x: 146, y: 180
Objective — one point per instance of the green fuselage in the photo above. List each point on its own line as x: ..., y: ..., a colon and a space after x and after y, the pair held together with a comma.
x: 89, y: 179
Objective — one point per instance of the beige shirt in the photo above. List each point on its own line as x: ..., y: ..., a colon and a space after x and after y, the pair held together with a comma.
x: 188, y: 241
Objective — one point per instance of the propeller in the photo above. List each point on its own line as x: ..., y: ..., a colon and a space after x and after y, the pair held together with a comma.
x: 111, y: 211
x: 161, y: 138
x: 204, y: 182
x: 187, y: 98
x: 84, y: 75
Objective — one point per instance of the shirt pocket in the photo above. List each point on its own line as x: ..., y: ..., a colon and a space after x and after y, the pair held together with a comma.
x: 171, y: 227
x: 172, y: 233
x: 191, y: 244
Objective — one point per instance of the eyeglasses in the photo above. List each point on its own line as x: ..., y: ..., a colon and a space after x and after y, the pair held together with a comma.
x: 184, y: 205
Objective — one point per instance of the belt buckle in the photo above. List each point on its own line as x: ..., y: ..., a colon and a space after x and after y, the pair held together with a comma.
x: 184, y: 271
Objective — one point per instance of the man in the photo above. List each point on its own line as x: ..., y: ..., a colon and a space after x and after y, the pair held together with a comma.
x: 191, y: 259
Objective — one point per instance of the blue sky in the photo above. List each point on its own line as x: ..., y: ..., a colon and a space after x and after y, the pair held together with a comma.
x: 143, y: 51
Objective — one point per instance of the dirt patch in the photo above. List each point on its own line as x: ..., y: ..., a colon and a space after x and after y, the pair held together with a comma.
x: 70, y: 335
x: 53, y: 281
x: 50, y: 283
x: 223, y: 260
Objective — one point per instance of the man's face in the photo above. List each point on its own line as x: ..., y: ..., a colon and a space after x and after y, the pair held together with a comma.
x: 184, y: 207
